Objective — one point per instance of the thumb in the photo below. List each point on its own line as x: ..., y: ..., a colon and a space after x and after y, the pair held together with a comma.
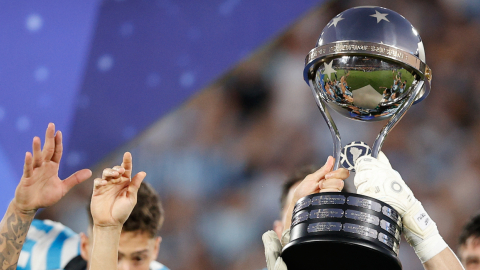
x: 76, y: 178
x: 136, y: 182
x: 328, y: 167
x: 365, y: 163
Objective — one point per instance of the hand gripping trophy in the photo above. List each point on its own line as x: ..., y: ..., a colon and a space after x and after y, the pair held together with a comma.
x: 368, y: 65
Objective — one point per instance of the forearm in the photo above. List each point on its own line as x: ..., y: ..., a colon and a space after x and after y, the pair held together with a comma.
x: 13, y: 232
x: 445, y: 260
x: 105, y: 248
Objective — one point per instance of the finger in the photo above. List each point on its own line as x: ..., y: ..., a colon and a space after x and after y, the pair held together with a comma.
x: 341, y: 173
x: 37, y: 152
x: 367, y: 163
x: 136, y: 182
x: 384, y: 160
x: 108, y: 174
x: 57, y: 155
x: 27, y: 166
x: 332, y: 185
x: 76, y: 178
x: 119, y: 169
x: 99, y: 182
x: 320, y: 173
x: 49, y: 145
x: 127, y: 164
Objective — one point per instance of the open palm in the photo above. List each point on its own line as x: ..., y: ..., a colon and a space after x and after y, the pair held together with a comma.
x: 40, y: 185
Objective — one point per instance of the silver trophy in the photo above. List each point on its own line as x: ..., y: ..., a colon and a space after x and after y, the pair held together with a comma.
x: 368, y: 65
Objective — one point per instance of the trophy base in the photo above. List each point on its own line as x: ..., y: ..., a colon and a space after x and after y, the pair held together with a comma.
x: 343, y: 231
x: 337, y: 253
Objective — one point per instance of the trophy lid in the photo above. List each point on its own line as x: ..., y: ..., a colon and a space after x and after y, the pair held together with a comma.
x: 374, y: 24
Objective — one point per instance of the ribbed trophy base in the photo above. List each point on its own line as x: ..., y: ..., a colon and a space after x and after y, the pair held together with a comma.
x: 343, y: 231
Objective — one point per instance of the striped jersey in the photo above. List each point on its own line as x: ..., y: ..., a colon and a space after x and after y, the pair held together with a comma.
x: 51, y: 245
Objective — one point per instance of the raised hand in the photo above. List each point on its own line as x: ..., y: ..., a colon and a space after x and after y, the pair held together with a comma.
x: 113, y: 199
x: 115, y: 194
x: 40, y: 185
x: 323, y: 180
x: 376, y: 178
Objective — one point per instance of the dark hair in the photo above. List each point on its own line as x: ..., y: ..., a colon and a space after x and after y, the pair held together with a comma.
x: 472, y: 228
x: 147, y: 215
x: 294, y: 178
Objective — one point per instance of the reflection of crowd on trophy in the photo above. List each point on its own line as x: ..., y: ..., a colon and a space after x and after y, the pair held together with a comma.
x: 367, y: 68
x: 396, y: 89
x: 339, y: 89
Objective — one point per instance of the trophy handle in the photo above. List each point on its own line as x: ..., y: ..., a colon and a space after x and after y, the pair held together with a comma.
x: 337, y: 141
x: 377, y: 145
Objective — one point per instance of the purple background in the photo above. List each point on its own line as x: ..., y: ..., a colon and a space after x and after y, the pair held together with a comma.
x: 103, y: 71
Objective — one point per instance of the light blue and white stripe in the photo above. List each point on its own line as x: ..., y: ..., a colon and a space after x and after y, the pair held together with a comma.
x: 49, y: 245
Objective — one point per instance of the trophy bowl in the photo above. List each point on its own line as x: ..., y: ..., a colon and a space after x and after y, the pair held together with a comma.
x: 368, y: 65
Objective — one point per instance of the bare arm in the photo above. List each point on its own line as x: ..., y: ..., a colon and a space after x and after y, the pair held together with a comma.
x: 105, y: 247
x: 13, y: 232
x: 39, y: 187
x: 445, y: 260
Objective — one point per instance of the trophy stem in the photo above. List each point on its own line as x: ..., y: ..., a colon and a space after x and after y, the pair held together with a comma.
x: 377, y: 145
x: 337, y: 141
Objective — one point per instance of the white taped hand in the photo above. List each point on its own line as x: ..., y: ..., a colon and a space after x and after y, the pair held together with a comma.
x: 376, y: 178
x: 273, y: 249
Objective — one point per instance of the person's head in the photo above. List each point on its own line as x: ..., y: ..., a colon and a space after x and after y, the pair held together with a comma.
x: 469, y: 244
x: 139, y: 241
x: 288, y: 188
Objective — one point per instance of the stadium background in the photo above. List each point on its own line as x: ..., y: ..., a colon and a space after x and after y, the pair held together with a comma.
x: 113, y: 74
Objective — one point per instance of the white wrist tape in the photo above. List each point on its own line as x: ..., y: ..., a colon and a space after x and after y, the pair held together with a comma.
x: 421, y: 233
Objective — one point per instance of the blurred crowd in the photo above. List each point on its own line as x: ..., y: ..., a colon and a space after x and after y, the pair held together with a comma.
x: 219, y: 161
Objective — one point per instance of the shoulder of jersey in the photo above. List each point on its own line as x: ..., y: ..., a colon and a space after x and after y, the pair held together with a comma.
x: 49, y: 245
x: 41, y: 229
x: 44, y: 229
